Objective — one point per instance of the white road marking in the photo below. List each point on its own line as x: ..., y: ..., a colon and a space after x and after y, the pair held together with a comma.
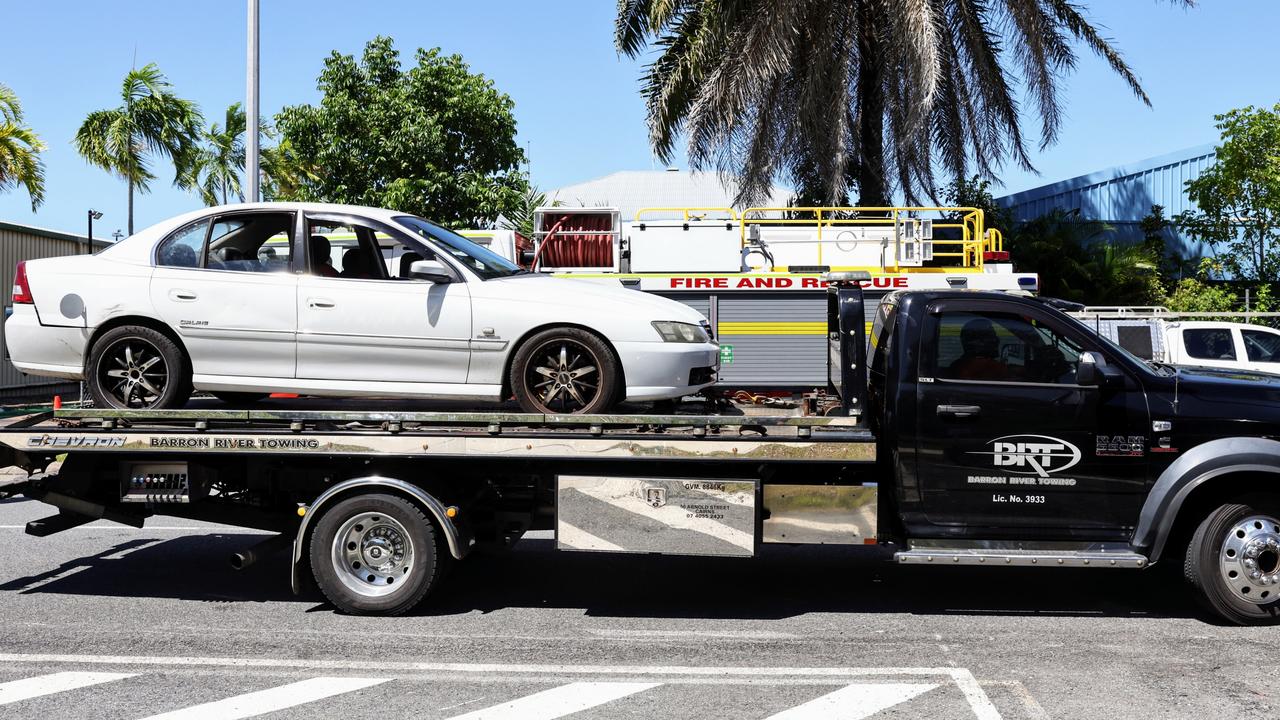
x: 679, y: 634
x: 855, y: 702
x: 16, y: 690
x: 558, y: 702
x: 54, y: 578
x: 576, y: 538
x: 271, y: 700
x: 980, y: 704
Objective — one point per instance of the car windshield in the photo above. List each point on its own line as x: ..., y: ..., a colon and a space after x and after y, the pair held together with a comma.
x: 482, y: 261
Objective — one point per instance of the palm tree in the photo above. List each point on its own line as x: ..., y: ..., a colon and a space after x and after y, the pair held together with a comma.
x: 150, y: 120
x: 214, y: 167
x: 867, y: 93
x: 20, y: 150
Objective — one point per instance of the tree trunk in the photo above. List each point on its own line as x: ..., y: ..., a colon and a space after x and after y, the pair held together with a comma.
x: 130, y: 206
x: 873, y: 191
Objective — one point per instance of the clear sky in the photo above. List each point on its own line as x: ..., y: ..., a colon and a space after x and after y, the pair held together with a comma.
x: 577, y: 103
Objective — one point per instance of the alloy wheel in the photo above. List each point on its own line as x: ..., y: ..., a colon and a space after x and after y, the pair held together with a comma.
x: 564, y: 376
x: 133, y: 373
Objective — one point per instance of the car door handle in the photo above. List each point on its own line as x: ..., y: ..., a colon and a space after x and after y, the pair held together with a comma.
x: 960, y: 411
x: 324, y: 303
x: 182, y: 295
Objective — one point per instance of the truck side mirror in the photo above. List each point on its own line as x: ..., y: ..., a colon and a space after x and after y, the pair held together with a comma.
x: 1089, y: 369
x: 431, y: 270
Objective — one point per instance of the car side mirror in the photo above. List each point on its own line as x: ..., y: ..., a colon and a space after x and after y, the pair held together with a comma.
x: 431, y: 271
x: 1092, y: 369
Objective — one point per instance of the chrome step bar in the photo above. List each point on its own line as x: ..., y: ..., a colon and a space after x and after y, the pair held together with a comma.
x: 1093, y: 557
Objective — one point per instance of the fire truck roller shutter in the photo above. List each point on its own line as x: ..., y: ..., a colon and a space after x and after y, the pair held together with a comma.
x: 778, y: 341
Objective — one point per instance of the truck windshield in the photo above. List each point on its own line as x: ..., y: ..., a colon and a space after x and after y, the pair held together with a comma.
x: 481, y: 261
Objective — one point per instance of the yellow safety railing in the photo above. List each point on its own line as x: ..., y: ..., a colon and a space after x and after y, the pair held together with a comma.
x: 687, y: 212
x: 975, y: 237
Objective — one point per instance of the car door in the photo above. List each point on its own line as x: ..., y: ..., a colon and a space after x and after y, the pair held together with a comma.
x: 226, y: 286
x: 377, y: 324
x: 1008, y: 439
x: 1209, y: 346
x: 1261, y: 348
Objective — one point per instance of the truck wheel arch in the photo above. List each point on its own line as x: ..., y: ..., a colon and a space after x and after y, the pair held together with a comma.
x: 1215, y: 465
x: 436, y: 510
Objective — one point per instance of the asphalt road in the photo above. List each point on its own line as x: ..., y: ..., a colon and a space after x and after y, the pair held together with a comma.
x: 106, y: 621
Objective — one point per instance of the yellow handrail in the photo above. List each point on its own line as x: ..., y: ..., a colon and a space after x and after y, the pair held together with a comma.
x: 733, y: 215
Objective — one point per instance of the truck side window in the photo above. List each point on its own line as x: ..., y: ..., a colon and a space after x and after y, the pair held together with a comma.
x: 1262, y: 346
x: 1209, y: 343
x: 881, y: 341
x: 1003, y: 347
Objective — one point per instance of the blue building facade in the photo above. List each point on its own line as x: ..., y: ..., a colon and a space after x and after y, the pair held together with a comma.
x: 1121, y: 196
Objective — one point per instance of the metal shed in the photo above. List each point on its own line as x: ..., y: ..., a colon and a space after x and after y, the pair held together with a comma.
x: 1123, y: 195
x: 25, y: 242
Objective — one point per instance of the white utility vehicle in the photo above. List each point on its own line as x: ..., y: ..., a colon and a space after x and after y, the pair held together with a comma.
x: 331, y: 300
x: 1156, y: 333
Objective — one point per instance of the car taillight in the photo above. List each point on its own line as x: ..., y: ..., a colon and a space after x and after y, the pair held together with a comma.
x: 21, y: 290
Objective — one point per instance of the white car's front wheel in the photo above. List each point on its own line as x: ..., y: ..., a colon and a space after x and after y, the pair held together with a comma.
x: 565, y: 370
x: 135, y: 367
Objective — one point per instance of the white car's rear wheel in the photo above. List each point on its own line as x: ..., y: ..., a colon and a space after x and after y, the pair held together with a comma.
x: 564, y: 370
x: 134, y: 367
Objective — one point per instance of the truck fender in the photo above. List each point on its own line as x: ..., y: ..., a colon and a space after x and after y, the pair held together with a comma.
x: 457, y: 548
x: 1197, y: 466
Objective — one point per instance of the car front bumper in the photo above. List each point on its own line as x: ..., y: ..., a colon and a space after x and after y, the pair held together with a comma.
x: 662, y: 370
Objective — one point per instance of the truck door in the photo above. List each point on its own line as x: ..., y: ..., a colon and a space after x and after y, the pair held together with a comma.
x: 1007, y: 438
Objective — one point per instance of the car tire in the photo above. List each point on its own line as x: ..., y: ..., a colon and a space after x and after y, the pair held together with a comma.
x: 1233, y: 542
x: 239, y: 399
x: 137, y: 367
x: 375, y: 554
x: 565, y: 370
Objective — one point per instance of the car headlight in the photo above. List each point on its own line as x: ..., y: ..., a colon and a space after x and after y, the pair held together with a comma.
x: 680, y: 332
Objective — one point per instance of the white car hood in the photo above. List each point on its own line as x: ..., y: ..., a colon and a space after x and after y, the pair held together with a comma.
x: 601, y: 295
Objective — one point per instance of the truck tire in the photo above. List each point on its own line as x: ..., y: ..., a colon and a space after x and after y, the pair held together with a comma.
x: 1233, y: 561
x: 137, y: 367
x: 565, y: 370
x: 375, y: 554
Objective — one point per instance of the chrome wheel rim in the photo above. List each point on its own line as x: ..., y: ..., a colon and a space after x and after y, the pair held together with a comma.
x: 133, y: 373
x: 1250, y: 559
x: 372, y: 554
x: 563, y: 376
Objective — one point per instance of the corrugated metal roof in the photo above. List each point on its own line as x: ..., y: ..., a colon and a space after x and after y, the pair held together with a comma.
x: 1123, y: 195
x: 51, y: 234
x: 631, y: 190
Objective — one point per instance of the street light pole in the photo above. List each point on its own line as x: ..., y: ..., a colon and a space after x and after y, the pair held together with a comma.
x: 251, y: 108
x: 93, y: 215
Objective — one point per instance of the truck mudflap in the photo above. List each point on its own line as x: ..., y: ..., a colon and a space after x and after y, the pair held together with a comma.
x: 1197, y: 467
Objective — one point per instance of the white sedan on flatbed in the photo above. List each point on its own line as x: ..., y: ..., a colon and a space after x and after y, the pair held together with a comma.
x: 341, y: 301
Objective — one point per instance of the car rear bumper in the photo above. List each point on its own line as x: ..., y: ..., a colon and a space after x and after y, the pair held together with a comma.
x: 41, y: 349
x: 661, y: 370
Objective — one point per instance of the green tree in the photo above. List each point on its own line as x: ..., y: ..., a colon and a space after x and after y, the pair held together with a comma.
x: 975, y: 192
x: 519, y: 216
x: 20, y: 150
x: 1200, y: 294
x: 837, y: 92
x: 434, y: 140
x: 213, y: 168
x: 150, y: 120
x: 1239, y: 195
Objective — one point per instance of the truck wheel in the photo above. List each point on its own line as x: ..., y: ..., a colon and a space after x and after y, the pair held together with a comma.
x: 136, y: 367
x: 375, y: 555
x: 1233, y: 561
x: 564, y: 370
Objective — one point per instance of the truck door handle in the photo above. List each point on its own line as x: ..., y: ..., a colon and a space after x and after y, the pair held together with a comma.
x: 320, y: 303
x: 960, y: 411
x: 182, y: 295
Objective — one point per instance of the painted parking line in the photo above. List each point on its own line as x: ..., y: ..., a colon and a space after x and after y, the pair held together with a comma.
x: 277, y: 698
x: 855, y: 702
x: 27, y: 688
x: 558, y: 702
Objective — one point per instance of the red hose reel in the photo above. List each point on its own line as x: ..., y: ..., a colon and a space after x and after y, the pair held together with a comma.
x: 577, y: 240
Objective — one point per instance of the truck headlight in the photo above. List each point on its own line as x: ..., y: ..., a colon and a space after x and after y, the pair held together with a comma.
x: 680, y: 332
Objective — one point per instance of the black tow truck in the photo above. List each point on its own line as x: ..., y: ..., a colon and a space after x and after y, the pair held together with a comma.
x: 970, y: 428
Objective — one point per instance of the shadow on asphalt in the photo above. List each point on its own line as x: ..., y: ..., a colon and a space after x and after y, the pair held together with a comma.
x: 781, y: 582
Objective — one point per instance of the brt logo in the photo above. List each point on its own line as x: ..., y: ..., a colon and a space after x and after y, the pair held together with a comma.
x: 1032, y: 454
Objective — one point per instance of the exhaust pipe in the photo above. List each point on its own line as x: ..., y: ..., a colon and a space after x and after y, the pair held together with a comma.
x: 252, y: 554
